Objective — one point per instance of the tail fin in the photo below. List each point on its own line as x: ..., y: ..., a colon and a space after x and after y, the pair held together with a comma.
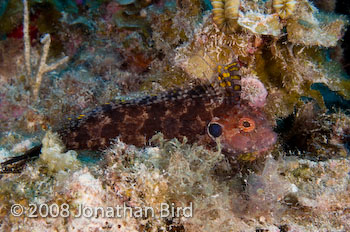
x: 15, y: 164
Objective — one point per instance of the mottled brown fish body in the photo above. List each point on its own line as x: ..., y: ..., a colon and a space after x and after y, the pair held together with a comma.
x: 200, y: 115
x: 204, y: 114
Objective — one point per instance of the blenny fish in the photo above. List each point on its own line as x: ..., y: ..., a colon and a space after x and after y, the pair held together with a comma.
x: 204, y: 114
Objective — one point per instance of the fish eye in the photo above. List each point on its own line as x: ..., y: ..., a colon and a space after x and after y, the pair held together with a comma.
x: 214, y: 129
x: 246, y: 124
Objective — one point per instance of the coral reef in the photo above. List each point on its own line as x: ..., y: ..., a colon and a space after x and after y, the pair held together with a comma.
x: 287, y: 56
x: 182, y: 174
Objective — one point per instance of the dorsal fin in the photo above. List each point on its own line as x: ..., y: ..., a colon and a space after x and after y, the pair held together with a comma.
x: 227, y: 77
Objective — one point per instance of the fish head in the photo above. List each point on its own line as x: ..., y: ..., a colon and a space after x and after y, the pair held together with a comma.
x: 242, y: 129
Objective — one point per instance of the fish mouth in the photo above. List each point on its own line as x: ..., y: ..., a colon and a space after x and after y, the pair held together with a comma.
x: 267, y: 141
x: 241, y: 143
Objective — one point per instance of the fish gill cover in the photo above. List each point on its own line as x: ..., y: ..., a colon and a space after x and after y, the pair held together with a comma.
x: 233, y: 114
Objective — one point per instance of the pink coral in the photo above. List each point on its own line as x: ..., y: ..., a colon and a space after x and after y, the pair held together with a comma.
x: 253, y: 91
